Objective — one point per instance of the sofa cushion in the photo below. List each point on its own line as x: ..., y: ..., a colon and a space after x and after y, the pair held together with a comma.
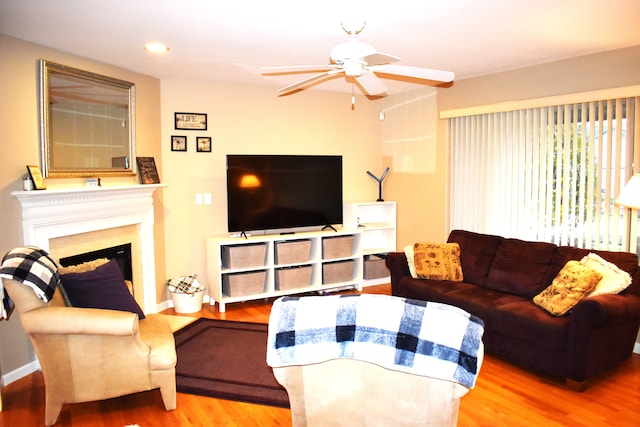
x: 614, y: 280
x: 476, y: 254
x: 439, y: 261
x: 479, y: 301
x: 520, y: 267
x: 103, y: 287
x: 525, y: 321
x: 570, y: 286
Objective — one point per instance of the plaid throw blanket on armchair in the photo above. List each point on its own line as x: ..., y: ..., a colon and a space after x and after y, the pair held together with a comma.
x: 30, y: 266
x: 418, y: 337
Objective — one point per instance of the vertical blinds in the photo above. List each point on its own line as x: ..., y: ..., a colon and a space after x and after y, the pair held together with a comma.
x: 549, y: 173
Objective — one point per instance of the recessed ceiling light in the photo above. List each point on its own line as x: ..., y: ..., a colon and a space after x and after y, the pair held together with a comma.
x: 156, y: 48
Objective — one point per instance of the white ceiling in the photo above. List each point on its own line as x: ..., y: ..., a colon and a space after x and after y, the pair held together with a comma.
x: 228, y: 41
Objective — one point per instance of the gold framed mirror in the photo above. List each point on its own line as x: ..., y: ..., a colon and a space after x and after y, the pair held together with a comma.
x: 87, y: 123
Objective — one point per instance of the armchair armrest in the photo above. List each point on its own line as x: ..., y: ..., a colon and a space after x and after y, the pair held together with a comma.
x: 80, y: 321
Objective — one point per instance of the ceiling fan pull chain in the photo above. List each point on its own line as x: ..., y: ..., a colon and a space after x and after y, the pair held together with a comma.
x: 353, y: 97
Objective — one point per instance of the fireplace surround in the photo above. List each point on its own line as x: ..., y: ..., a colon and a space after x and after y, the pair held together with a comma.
x: 70, y: 221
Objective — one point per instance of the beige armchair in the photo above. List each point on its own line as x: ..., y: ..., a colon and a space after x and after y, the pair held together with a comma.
x: 89, y: 354
x: 361, y: 371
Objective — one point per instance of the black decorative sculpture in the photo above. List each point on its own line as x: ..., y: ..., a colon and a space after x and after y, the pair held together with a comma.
x: 384, y: 174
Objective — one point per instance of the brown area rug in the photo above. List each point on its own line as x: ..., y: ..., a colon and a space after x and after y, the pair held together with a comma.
x: 227, y: 360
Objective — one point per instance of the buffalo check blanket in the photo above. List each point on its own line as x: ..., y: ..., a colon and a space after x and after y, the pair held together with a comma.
x: 417, y: 337
x: 30, y: 266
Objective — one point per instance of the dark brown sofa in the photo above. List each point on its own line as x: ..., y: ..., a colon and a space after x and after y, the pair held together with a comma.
x: 501, y: 276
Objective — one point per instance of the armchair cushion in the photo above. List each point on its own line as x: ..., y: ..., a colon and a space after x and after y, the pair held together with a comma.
x: 103, y: 287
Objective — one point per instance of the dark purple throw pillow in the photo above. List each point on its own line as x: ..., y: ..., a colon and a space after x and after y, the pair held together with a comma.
x: 103, y: 287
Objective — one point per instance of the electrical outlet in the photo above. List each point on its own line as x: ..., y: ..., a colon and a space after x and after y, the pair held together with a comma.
x: 198, y: 199
x: 207, y: 198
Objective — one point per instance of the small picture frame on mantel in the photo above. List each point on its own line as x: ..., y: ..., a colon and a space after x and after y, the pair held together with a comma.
x: 147, y: 170
x: 36, y: 176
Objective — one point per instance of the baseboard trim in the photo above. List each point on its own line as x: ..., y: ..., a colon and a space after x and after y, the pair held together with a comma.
x: 21, y: 372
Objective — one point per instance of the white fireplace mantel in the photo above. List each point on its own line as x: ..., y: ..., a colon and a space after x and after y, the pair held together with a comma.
x: 48, y: 214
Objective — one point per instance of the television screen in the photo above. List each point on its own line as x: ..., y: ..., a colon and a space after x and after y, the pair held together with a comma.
x: 267, y: 192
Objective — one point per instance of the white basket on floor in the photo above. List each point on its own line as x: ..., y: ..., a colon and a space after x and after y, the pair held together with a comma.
x: 187, y: 294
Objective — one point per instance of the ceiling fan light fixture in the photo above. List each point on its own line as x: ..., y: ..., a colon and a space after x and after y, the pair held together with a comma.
x: 353, y: 69
x: 353, y: 49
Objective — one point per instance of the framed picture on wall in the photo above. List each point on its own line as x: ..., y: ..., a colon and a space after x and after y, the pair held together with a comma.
x: 203, y: 144
x: 178, y: 143
x: 190, y: 121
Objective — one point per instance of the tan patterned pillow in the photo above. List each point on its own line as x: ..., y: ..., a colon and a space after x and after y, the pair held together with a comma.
x: 570, y: 286
x: 84, y: 267
x: 439, y: 261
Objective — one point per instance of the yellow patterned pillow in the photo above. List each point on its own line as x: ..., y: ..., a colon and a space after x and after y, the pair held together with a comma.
x: 84, y: 267
x: 570, y: 286
x: 439, y: 261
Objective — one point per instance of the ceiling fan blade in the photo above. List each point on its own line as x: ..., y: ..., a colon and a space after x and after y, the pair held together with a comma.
x: 291, y: 69
x: 308, y: 81
x: 415, y: 72
x: 380, y: 59
x: 371, y: 84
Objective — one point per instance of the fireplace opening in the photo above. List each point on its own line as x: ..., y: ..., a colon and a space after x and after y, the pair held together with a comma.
x: 121, y: 253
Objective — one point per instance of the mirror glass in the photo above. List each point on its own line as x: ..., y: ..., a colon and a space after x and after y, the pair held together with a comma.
x: 87, y: 126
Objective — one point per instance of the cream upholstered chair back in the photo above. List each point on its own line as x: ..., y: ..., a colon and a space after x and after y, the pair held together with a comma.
x: 373, y: 360
x: 85, y: 354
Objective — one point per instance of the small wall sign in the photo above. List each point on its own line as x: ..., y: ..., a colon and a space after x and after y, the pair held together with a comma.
x: 190, y: 121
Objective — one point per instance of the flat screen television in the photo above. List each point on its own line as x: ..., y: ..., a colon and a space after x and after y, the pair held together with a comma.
x: 271, y: 192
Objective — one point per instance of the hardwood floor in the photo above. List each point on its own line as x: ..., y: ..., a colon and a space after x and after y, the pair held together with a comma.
x: 505, y: 395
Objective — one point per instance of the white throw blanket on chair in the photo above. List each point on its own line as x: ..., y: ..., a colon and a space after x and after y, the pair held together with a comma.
x: 418, y: 337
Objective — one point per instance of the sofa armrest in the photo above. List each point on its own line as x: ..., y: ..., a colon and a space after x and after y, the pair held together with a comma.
x: 602, y: 334
x: 398, y: 267
x: 80, y: 321
x: 604, y: 310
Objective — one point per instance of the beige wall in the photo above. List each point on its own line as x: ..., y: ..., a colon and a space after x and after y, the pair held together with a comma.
x: 418, y: 165
x: 20, y: 146
x: 253, y: 120
x: 423, y: 196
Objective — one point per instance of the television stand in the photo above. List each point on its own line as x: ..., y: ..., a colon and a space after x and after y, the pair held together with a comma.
x: 329, y: 226
x: 266, y: 266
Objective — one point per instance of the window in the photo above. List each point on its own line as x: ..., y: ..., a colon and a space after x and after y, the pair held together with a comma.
x: 546, y: 173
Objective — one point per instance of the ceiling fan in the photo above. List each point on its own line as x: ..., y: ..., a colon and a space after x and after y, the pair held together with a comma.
x: 361, y: 64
